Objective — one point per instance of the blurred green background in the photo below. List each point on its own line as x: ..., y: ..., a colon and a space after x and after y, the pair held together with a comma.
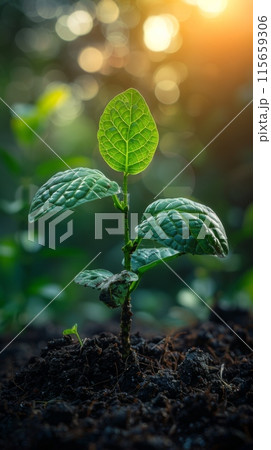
x: 61, y: 62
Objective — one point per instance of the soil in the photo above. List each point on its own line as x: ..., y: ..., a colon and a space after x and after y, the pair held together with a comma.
x: 191, y: 391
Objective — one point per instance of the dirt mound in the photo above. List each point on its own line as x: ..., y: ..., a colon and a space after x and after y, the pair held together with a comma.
x: 189, y: 391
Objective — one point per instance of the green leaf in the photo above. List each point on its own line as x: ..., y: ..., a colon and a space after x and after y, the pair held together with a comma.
x: 184, y: 226
x: 113, y: 288
x: 52, y: 99
x: 36, y: 116
x: 73, y: 330
x: 146, y: 258
x: 93, y: 278
x: 71, y: 188
x: 127, y: 134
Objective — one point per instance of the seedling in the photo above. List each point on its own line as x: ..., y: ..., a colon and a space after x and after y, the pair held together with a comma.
x: 128, y: 138
x: 73, y: 330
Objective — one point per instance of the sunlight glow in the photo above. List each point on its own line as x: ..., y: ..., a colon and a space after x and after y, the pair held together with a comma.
x: 212, y: 7
x: 191, y: 2
x: 159, y: 31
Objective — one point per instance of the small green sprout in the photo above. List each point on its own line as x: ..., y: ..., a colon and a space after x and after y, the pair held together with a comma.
x: 73, y: 330
x: 128, y: 138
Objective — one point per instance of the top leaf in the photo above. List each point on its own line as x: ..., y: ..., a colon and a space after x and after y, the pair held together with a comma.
x: 127, y: 134
x: 71, y: 188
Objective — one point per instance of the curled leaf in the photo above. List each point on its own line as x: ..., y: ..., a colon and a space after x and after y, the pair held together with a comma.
x: 114, y: 288
x: 184, y: 226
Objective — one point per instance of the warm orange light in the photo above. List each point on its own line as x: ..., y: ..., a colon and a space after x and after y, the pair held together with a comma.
x: 159, y: 31
x: 167, y: 92
x: 212, y: 7
x: 176, y: 72
x: 91, y: 59
x: 191, y: 2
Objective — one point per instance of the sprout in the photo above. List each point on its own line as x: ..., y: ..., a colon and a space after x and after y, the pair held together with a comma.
x: 73, y: 330
x: 128, y: 139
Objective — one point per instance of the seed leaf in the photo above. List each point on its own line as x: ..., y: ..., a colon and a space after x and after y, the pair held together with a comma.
x: 184, y: 226
x: 113, y: 287
x: 71, y: 188
x: 73, y: 330
x: 146, y: 258
x: 127, y: 134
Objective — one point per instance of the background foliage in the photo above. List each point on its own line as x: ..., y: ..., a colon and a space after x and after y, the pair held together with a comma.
x: 61, y: 62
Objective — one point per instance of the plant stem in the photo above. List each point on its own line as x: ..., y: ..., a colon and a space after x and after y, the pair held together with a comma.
x: 116, y: 202
x: 127, y: 256
x: 126, y: 314
x: 126, y: 320
x: 79, y: 339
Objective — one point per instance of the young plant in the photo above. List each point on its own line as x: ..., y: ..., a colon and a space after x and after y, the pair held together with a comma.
x: 73, y: 330
x: 128, y: 138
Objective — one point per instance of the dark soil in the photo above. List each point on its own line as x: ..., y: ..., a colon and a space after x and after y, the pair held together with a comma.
x: 189, y: 391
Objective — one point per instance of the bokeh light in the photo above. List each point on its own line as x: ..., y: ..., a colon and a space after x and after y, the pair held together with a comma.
x: 117, y: 55
x: 47, y: 9
x: 159, y: 32
x: 90, y: 59
x: 116, y: 33
x: 107, y: 11
x: 67, y: 113
x: 63, y: 30
x: 167, y: 92
x: 175, y: 72
x: 80, y: 22
x: 212, y: 7
x: 86, y: 87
